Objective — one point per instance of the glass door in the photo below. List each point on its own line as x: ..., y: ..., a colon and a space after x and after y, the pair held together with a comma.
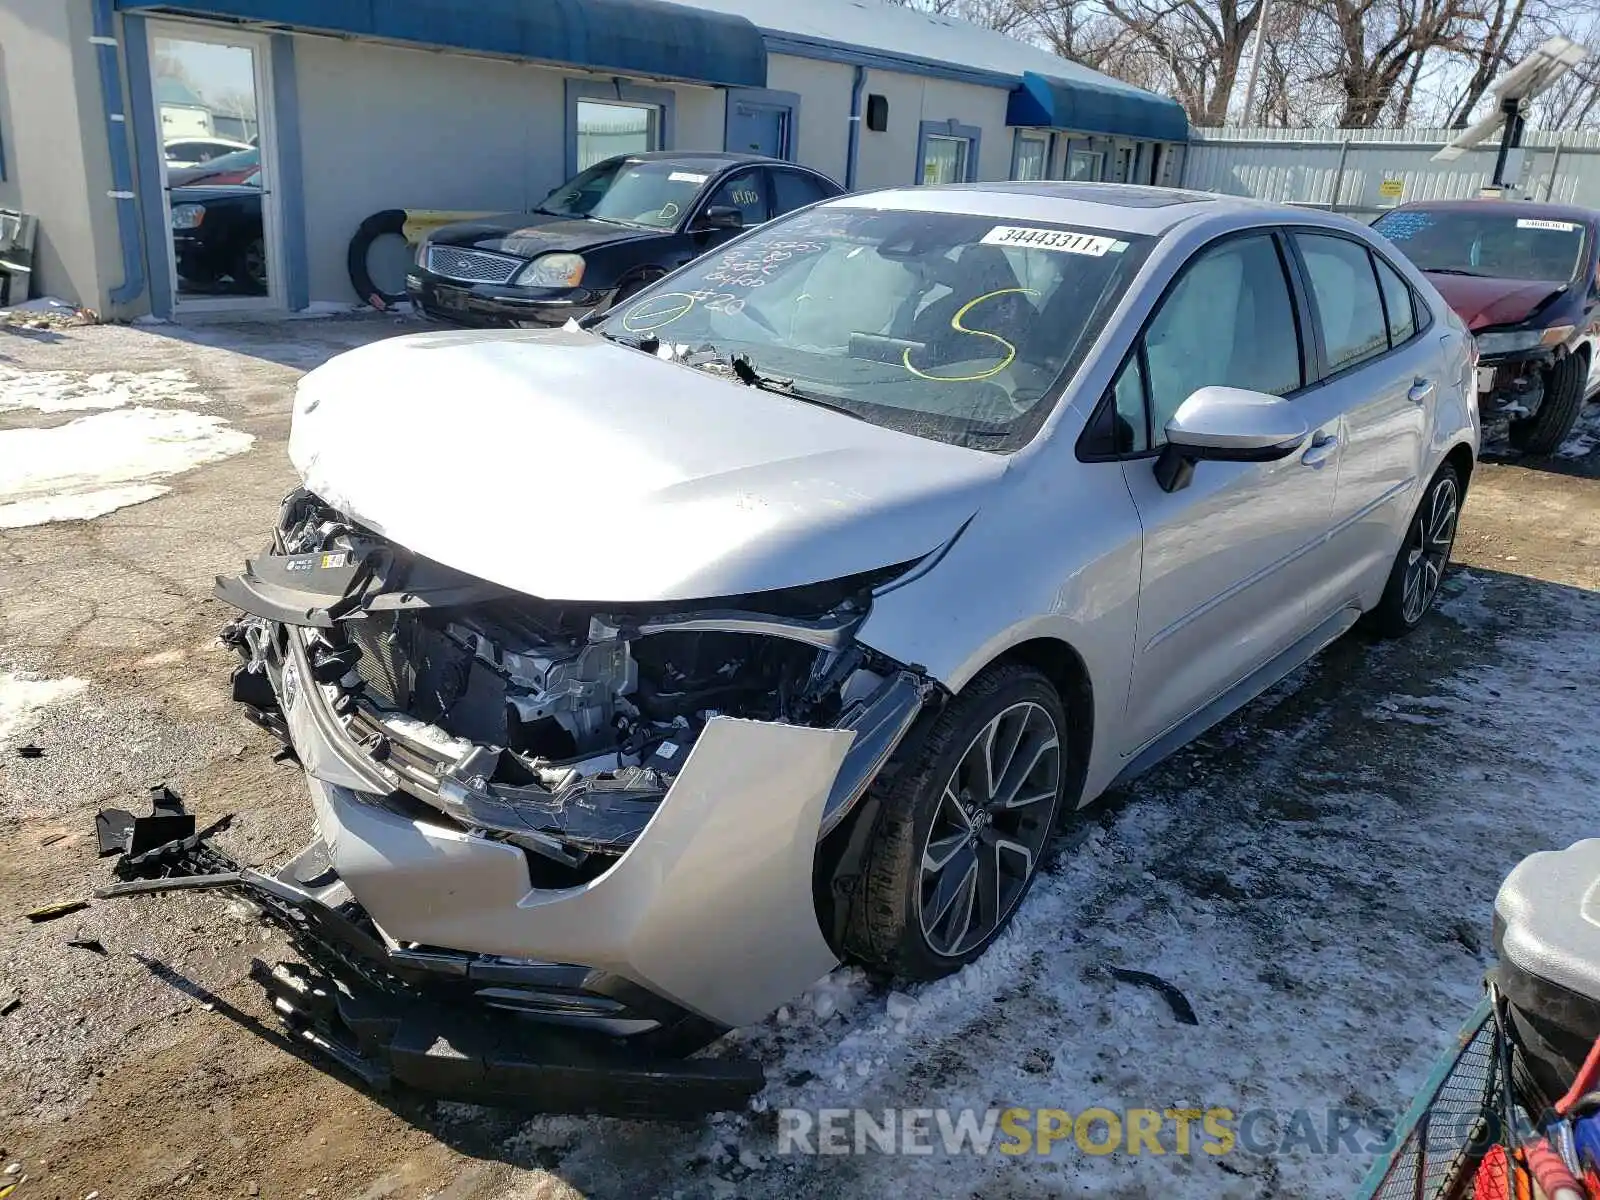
x: 213, y: 116
x: 944, y: 158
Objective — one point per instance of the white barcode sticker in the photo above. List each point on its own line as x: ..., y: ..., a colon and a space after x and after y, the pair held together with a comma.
x: 1034, y: 238
x: 686, y: 177
x: 1533, y: 223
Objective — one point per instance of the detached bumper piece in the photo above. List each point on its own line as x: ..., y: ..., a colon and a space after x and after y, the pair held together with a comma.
x: 422, y: 1020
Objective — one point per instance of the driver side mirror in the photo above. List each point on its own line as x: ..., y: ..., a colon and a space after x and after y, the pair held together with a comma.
x: 1223, y: 424
x: 720, y: 216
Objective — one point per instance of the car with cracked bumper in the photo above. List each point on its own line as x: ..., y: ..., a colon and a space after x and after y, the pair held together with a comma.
x: 1525, y: 278
x: 782, y: 615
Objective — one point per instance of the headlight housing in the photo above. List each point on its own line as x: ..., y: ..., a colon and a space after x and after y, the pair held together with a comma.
x: 552, y: 271
x: 188, y: 216
x: 1512, y: 341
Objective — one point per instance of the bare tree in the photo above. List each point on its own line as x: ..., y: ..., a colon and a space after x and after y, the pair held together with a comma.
x: 1199, y: 42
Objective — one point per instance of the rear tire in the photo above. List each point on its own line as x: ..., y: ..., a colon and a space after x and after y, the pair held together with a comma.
x: 1558, y: 412
x: 962, y: 827
x: 1424, y: 555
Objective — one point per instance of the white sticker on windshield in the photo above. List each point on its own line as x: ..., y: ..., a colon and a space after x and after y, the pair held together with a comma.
x: 686, y: 177
x: 1033, y: 238
x: 1532, y: 223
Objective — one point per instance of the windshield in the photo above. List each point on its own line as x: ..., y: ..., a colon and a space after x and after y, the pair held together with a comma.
x: 651, y: 193
x: 948, y: 326
x: 1499, y: 245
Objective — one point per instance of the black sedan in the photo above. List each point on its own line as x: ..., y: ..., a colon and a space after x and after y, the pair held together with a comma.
x: 217, y: 239
x: 601, y: 236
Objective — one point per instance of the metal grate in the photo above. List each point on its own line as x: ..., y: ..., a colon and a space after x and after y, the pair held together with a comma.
x: 381, y: 665
x: 1453, y: 1122
x: 472, y: 266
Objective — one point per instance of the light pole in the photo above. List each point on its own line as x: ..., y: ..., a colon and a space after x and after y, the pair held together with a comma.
x: 1255, y: 62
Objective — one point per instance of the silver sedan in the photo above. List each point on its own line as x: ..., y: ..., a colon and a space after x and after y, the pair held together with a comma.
x: 779, y: 615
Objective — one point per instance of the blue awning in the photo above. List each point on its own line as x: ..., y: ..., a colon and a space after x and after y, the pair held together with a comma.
x: 1089, y: 106
x: 631, y: 37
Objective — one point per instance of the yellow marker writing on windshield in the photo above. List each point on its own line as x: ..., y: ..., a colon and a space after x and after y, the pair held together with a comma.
x: 955, y: 323
x: 657, y: 311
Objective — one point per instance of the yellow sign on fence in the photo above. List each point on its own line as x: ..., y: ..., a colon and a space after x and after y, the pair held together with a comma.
x: 1392, y: 189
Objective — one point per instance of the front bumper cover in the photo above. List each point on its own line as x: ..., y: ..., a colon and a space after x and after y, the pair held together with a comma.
x: 394, y: 1017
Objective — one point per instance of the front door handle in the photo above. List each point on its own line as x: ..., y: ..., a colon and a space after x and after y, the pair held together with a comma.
x: 1321, y: 450
x: 1421, y: 391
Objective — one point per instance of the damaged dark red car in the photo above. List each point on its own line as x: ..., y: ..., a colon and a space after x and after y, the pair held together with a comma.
x: 1524, y: 278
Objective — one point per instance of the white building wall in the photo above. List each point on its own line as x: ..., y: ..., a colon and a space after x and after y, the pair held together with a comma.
x: 824, y: 90
x: 387, y: 127
x: 57, y: 164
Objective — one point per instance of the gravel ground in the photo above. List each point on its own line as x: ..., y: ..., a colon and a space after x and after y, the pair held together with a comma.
x: 1315, y: 874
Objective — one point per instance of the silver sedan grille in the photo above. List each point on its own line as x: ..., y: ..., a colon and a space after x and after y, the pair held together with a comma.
x: 472, y: 266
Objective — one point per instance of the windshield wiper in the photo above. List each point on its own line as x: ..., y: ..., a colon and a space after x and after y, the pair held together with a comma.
x: 1453, y: 271
x: 746, y: 373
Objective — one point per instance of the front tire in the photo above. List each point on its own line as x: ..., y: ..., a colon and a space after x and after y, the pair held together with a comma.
x: 1544, y: 432
x: 962, y: 827
x: 1424, y: 554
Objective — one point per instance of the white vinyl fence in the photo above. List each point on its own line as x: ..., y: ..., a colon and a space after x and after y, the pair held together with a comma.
x: 1363, y: 171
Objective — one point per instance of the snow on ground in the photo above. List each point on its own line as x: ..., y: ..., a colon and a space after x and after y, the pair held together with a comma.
x: 97, y: 464
x: 1585, y: 435
x: 118, y: 457
x: 1316, y: 876
x: 68, y: 391
x: 24, y: 696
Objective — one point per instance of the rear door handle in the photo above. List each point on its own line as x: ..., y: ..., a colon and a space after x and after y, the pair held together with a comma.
x: 1322, y: 449
x: 1421, y: 391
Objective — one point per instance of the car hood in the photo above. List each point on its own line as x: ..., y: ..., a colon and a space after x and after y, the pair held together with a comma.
x: 1482, y: 302
x: 531, y: 234
x: 561, y: 465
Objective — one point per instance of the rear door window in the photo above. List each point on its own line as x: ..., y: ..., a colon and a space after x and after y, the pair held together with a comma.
x: 1344, y: 292
x: 1399, y: 304
x: 794, y: 189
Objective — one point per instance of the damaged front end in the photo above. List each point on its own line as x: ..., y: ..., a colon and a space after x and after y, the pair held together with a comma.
x: 606, y: 819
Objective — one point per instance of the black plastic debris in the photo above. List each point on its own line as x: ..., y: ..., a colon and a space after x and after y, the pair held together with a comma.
x: 156, y: 846
x: 8, y: 1001
x: 120, y: 832
x: 30, y: 751
x: 1176, y: 1000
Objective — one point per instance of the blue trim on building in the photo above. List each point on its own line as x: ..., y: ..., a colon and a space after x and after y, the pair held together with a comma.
x: 950, y: 128
x: 127, y: 204
x: 853, y: 145
x: 823, y: 50
x: 766, y: 98
x: 148, y: 153
x: 289, y: 186
x: 620, y: 90
x: 639, y: 37
x: 1091, y: 107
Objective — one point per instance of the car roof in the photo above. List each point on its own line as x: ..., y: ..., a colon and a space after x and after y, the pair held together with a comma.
x: 1121, y: 207
x: 722, y: 156
x: 1515, y: 208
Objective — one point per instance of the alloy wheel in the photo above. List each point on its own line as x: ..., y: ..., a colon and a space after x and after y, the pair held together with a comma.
x: 990, y: 828
x: 1428, y: 544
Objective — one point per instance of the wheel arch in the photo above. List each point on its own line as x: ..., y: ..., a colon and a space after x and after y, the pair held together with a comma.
x: 1060, y: 662
x: 1461, y: 458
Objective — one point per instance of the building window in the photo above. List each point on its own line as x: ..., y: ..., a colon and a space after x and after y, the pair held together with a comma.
x: 606, y: 119
x: 1030, y: 157
x: 605, y: 129
x: 1086, y: 165
x: 947, y: 152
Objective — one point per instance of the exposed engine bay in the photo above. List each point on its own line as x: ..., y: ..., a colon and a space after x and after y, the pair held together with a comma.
x: 556, y: 726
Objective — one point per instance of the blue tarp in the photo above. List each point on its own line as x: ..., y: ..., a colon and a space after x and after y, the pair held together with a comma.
x: 635, y: 37
x: 1089, y: 106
